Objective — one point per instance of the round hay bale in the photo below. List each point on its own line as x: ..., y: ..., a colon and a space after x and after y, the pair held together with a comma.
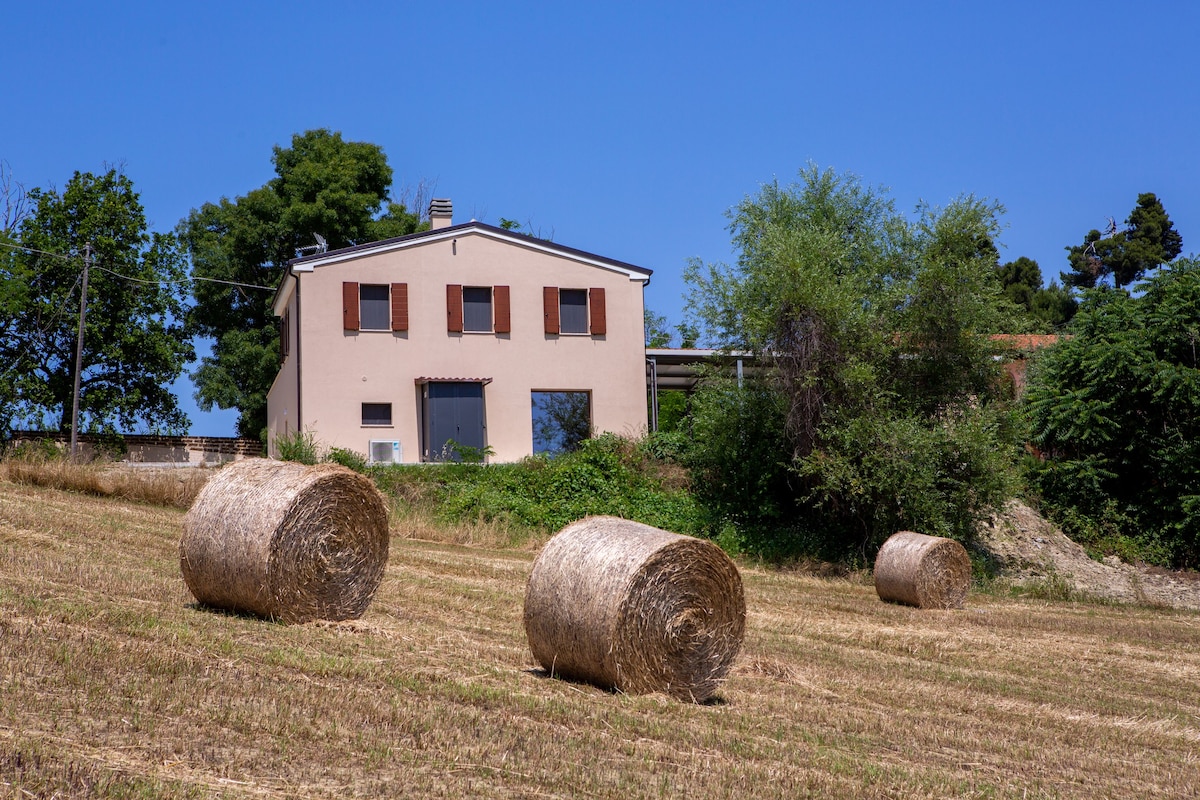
x: 922, y: 571
x: 286, y: 541
x: 629, y: 607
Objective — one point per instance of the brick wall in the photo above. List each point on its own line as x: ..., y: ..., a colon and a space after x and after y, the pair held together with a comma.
x: 139, y: 448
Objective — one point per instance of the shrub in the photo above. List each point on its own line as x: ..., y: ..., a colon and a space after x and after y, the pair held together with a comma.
x: 605, y: 475
x: 347, y: 458
x: 300, y: 446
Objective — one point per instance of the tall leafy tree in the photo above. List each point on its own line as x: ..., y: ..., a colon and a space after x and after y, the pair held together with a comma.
x: 13, y: 289
x: 323, y: 185
x: 1021, y: 282
x: 1115, y: 408
x: 654, y: 327
x: 134, y: 344
x: 1149, y: 241
x: 871, y: 391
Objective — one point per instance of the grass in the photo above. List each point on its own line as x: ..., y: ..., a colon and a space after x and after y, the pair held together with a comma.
x: 113, y: 684
x: 166, y: 486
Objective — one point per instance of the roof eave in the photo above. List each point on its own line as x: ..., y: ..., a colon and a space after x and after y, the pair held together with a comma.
x: 309, y: 263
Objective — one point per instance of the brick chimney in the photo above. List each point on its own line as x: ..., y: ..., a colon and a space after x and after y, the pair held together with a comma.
x: 440, y: 213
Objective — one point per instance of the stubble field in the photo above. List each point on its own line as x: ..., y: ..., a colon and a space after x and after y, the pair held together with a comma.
x: 114, y: 684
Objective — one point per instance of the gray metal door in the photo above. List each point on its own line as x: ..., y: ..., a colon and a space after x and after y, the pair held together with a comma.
x: 453, y: 411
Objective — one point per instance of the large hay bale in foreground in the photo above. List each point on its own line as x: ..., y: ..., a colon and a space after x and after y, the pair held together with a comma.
x: 286, y: 541
x: 923, y: 571
x: 629, y: 607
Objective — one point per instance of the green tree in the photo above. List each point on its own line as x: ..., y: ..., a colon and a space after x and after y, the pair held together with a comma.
x: 659, y: 332
x: 323, y: 186
x: 871, y: 366
x: 1149, y: 241
x: 1021, y: 282
x: 1053, y: 306
x: 13, y: 290
x: 654, y: 326
x: 1115, y: 408
x: 134, y: 344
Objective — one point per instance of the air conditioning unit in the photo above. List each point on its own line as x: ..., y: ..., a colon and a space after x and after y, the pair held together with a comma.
x: 385, y: 452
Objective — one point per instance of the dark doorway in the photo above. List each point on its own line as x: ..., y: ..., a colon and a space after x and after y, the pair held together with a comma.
x: 454, y: 429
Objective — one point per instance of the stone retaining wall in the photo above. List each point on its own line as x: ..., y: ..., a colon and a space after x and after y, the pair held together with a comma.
x: 146, y: 449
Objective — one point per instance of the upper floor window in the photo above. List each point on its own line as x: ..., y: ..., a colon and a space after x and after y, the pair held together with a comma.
x: 574, y: 311
x: 477, y: 309
x: 374, y: 307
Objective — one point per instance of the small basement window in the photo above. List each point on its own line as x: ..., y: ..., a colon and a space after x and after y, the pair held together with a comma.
x: 376, y: 414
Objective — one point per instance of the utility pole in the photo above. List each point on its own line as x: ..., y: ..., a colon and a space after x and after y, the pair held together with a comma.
x: 87, y: 262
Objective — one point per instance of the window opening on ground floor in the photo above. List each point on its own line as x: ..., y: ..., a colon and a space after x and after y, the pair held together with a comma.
x: 561, y: 420
x: 376, y: 413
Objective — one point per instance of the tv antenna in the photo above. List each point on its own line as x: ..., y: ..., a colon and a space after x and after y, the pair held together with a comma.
x: 320, y: 247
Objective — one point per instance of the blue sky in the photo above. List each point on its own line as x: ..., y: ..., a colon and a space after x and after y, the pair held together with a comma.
x: 625, y: 128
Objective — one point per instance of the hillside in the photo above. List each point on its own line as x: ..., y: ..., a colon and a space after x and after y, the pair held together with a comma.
x: 116, y: 685
x: 1035, y: 552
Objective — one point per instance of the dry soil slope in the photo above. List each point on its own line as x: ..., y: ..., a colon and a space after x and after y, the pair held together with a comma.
x: 1030, y: 548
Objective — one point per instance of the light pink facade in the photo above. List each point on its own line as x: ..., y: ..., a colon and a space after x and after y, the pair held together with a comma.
x: 352, y: 387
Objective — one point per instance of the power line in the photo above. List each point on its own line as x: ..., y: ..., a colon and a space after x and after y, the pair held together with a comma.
x: 185, y: 280
x: 191, y: 279
x: 35, y: 250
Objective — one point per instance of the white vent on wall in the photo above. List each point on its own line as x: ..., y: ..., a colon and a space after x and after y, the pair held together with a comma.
x: 385, y: 452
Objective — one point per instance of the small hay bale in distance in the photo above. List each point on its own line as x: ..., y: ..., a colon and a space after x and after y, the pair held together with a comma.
x: 286, y: 541
x: 922, y: 571
x: 630, y: 607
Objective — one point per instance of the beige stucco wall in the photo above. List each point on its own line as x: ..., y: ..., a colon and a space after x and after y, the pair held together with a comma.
x: 282, y: 405
x: 343, y: 369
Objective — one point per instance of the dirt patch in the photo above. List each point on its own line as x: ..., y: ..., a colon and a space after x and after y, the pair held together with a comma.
x: 1031, y: 549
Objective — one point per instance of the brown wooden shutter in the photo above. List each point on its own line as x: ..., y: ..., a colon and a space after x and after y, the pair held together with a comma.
x: 454, y: 309
x: 597, y: 312
x: 501, y: 309
x: 350, y: 305
x: 399, y: 306
x: 550, y: 307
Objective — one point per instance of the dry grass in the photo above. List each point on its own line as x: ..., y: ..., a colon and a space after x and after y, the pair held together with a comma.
x: 414, y: 516
x: 113, y: 684
x: 176, y: 487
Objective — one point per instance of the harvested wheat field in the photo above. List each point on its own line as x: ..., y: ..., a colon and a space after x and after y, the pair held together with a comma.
x: 113, y: 684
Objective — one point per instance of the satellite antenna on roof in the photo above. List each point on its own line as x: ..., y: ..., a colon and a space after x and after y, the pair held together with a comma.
x: 320, y: 247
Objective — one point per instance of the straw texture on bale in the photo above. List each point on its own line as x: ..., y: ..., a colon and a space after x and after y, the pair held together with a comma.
x: 629, y: 607
x: 922, y: 571
x: 286, y: 541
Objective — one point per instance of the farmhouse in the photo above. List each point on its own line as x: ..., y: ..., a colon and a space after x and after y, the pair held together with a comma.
x: 462, y: 340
